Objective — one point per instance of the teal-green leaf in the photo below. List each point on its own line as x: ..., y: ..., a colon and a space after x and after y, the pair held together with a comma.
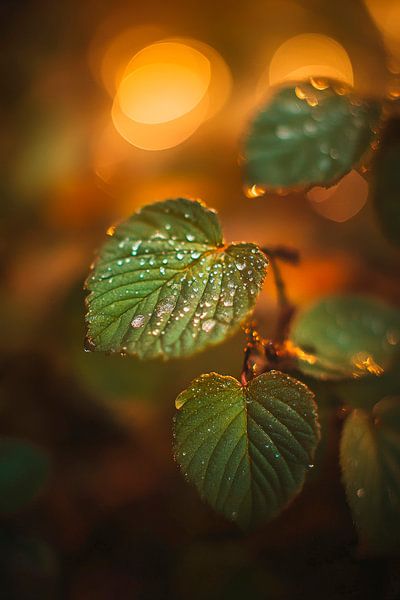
x: 166, y: 285
x: 24, y: 469
x: 386, y: 191
x: 305, y: 136
x: 347, y: 336
x: 370, y: 461
x: 246, y: 449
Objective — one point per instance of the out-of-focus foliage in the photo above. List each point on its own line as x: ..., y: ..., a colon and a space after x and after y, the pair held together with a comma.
x: 308, y: 134
x: 370, y: 460
x: 347, y: 336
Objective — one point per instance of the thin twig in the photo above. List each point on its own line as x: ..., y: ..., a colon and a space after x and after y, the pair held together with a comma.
x: 286, y: 308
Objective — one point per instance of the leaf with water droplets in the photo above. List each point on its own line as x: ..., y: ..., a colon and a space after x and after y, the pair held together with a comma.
x: 306, y: 136
x: 166, y: 285
x: 386, y: 191
x: 370, y: 461
x: 24, y: 469
x: 246, y: 449
x: 347, y: 336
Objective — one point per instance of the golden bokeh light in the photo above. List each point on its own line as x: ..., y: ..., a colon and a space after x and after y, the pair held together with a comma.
x: 159, y: 136
x: 310, y: 55
x: 386, y: 15
x: 112, y: 49
x: 167, y: 90
x: 220, y: 85
x: 342, y: 201
x: 164, y: 82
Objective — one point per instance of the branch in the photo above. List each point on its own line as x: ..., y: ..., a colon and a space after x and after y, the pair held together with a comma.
x: 286, y: 308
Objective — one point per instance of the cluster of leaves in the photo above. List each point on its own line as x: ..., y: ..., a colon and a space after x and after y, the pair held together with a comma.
x: 166, y: 285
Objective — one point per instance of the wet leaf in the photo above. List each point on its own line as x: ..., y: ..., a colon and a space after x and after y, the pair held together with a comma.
x: 246, y: 449
x: 306, y: 136
x: 367, y: 391
x: 370, y: 461
x: 347, y: 336
x: 24, y: 469
x: 386, y: 191
x: 166, y: 285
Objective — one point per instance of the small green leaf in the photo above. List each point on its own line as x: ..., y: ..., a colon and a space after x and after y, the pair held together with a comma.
x: 386, y: 191
x: 365, y: 392
x: 347, y: 336
x: 165, y: 284
x: 246, y: 449
x: 370, y: 461
x: 24, y: 469
x: 306, y: 136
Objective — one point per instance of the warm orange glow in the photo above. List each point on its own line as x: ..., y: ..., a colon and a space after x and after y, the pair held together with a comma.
x: 254, y: 191
x: 310, y: 55
x: 113, y: 47
x: 159, y: 136
x: 342, y: 201
x: 386, y: 14
x: 365, y: 363
x: 167, y: 90
x: 220, y: 84
x: 161, y: 92
x: 190, y: 185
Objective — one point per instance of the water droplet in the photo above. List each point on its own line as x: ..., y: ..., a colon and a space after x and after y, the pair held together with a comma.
x: 138, y: 321
x: 190, y: 237
x: 166, y: 305
x: 240, y: 266
x: 254, y: 191
x: 208, y: 325
x: 310, y: 127
x: 283, y: 132
x: 360, y: 492
x: 135, y: 247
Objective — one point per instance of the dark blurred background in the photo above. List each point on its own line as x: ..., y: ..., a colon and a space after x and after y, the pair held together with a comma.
x: 114, y: 519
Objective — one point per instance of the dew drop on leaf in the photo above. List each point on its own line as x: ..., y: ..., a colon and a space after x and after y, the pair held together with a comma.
x: 138, y: 321
x: 208, y: 325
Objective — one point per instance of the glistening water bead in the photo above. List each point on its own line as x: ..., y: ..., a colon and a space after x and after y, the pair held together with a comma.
x: 138, y: 321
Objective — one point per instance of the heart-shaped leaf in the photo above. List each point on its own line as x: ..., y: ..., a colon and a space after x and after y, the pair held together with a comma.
x: 246, y: 449
x: 165, y: 284
x: 386, y: 191
x: 307, y: 135
x: 347, y: 336
x: 24, y: 469
x: 370, y: 461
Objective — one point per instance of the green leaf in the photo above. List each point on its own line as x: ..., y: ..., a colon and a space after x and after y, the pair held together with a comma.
x: 306, y: 136
x: 386, y: 191
x: 246, y: 449
x: 347, y: 336
x: 24, y: 469
x: 367, y: 391
x: 370, y: 461
x: 165, y: 284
